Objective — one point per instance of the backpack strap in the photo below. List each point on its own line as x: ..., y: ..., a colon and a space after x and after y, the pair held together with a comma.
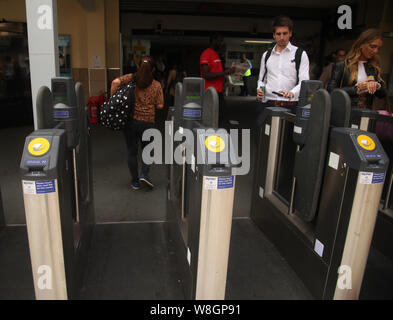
x: 342, y: 77
x: 268, y: 53
x: 131, y: 96
x: 298, y: 59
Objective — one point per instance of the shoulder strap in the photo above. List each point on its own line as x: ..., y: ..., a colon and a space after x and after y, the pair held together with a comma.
x: 268, y: 53
x: 298, y: 59
x: 344, y: 70
x: 131, y: 96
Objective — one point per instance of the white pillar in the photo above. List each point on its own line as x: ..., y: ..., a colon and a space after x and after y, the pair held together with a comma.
x: 43, y: 45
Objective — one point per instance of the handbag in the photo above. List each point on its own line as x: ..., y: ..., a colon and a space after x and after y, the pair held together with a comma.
x: 118, y: 110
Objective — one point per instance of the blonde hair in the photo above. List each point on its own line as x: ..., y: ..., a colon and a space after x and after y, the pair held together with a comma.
x: 353, y: 57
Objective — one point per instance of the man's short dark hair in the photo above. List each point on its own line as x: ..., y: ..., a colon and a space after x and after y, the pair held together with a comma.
x: 282, y: 21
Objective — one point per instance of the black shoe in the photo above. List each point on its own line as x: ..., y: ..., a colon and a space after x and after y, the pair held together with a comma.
x: 146, y: 180
x: 135, y: 185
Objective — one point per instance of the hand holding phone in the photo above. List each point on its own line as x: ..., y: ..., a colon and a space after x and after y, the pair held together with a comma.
x: 285, y: 94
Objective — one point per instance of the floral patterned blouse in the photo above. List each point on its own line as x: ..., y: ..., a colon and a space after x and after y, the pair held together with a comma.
x: 146, y: 100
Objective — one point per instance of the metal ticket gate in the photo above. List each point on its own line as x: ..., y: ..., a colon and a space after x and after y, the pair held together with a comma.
x: 169, y: 125
x: 212, y: 187
x: 57, y: 190
x: 46, y: 181
x: 187, y: 111
x: 324, y: 223
x: 192, y: 105
x: 361, y: 182
x: 200, y: 191
x: 363, y: 119
x: 370, y: 120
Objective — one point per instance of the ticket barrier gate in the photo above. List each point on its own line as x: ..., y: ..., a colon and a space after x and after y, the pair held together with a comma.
x: 323, y: 225
x: 212, y: 186
x: 57, y: 190
x: 368, y: 120
x: 192, y: 105
x: 177, y: 180
x: 200, y: 191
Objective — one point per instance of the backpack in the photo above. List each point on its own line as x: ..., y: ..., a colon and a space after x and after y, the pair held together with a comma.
x: 298, y: 58
x: 118, y: 110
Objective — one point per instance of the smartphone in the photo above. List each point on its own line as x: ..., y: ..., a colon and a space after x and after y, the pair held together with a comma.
x: 278, y: 93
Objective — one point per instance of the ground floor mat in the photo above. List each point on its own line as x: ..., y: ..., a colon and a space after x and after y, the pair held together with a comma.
x: 256, y: 270
x: 16, y: 280
x: 131, y: 261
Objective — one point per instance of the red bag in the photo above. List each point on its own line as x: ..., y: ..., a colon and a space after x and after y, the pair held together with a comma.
x: 384, y: 129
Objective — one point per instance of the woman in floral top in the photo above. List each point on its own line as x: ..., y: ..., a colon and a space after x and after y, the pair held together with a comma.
x: 148, y: 98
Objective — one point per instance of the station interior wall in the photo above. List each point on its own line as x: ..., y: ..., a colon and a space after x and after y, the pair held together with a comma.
x: 97, y: 33
x: 93, y: 34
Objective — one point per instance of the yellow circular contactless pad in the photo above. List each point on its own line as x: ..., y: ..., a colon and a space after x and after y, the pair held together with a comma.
x: 38, y: 146
x: 215, y: 144
x: 366, y: 142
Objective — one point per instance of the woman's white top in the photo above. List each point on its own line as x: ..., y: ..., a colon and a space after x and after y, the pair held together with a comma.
x: 362, y: 75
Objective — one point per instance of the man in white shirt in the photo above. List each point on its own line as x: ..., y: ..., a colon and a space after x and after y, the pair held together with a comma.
x: 282, y: 74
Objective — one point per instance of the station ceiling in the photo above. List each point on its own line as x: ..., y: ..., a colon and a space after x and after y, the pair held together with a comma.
x: 246, y: 8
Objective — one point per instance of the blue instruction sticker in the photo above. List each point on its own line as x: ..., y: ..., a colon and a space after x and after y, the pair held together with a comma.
x: 61, y: 114
x: 192, y: 113
x: 371, y: 178
x: 373, y: 156
x: 378, y: 178
x: 45, y: 186
x: 306, y: 113
x: 43, y: 162
x: 225, y: 182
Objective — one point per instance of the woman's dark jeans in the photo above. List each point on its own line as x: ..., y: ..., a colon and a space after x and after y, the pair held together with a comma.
x: 133, y: 134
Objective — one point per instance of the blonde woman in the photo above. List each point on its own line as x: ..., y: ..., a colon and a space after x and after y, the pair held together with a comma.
x: 360, y: 73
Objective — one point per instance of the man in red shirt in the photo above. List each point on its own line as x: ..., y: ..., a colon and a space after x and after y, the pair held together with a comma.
x: 212, y: 70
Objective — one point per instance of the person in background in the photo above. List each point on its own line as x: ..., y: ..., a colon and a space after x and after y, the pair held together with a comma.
x: 160, y: 71
x: 12, y: 75
x: 212, y: 70
x: 339, y: 55
x: 131, y: 63
x: 278, y: 74
x: 176, y: 74
x: 246, y: 75
x: 359, y: 74
x: 148, y: 98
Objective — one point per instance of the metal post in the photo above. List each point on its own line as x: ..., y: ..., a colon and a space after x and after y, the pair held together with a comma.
x: 2, y: 219
x: 273, y: 132
x: 291, y: 211
x: 387, y: 197
x: 42, y: 32
x: 183, y: 185
x: 76, y: 186
x: 47, y: 199
x: 364, y: 123
x: 213, y: 217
